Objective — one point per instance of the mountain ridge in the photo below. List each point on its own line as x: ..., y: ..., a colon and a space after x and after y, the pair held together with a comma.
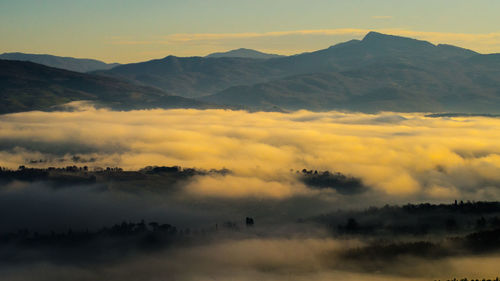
x: 67, y: 63
x: 26, y: 86
x: 243, y: 53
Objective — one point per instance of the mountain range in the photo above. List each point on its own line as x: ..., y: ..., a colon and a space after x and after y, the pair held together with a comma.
x: 68, y: 63
x: 378, y: 73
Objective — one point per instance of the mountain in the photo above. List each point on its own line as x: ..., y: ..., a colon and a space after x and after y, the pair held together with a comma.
x: 28, y: 86
x: 243, y: 53
x: 442, y: 87
x: 195, y: 76
x: 68, y: 63
x: 198, y: 76
x: 374, y: 48
x: 380, y: 72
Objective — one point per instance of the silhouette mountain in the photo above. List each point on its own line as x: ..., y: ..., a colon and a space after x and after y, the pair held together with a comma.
x: 28, y: 86
x: 68, y: 63
x: 243, y: 53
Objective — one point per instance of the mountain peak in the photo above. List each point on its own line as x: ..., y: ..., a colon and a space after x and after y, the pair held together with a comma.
x: 377, y: 36
x: 67, y: 63
x: 243, y: 53
x: 380, y: 40
x: 373, y: 34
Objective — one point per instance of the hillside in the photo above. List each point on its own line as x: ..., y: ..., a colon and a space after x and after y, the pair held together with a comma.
x: 28, y: 86
x: 68, y: 63
x: 468, y: 86
x: 195, y: 76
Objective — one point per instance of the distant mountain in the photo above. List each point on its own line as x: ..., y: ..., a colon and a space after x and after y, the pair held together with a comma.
x: 243, y: 53
x: 374, y: 48
x: 195, y: 76
x: 381, y: 72
x: 68, y: 63
x: 442, y: 87
x: 198, y: 76
x: 28, y: 86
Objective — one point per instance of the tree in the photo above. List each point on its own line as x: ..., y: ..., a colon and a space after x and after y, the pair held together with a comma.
x: 249, y: 222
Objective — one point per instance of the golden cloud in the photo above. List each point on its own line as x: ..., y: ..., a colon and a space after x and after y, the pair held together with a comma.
x: 408, y: 156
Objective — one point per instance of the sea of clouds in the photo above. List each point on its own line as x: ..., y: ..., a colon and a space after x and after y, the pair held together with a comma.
x: 401, y: 155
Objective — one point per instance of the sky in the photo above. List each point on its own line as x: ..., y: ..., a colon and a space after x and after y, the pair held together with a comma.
x: 130, y: 31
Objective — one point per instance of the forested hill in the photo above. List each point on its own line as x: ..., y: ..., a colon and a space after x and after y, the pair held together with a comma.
x: 26, y: 86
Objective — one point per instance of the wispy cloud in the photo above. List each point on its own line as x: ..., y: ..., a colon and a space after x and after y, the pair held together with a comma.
x: 213, y: 36
x: 436, y: 37
x: 186, y: 44
x: 381, y: 17
x: 133, y: 42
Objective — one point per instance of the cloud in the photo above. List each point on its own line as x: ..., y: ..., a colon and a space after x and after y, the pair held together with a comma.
x: 382, y: 17
x: 183, y: 37
x: 132, y: 42
x: 201, y: 42
x: 408, y: 156
x: 237, y: 187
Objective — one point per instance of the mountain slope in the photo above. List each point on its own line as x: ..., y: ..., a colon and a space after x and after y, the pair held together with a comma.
x: 374, y: 48
x: 197, y: 76
x: 28, y: 86
x: 243, y: 53
x: 68, y: 63
x: 380, y: 72
x: 440, y: 86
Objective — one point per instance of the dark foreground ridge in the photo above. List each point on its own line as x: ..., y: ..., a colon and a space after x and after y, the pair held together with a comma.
x: 27, y: 86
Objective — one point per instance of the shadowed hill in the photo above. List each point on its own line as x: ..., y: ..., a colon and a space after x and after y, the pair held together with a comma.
x: 195, y: 76
x: 68, y: 63
x: 439, y: 86
x: 28, y: 86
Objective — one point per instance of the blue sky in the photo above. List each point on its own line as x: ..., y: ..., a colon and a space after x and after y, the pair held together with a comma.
x: 127, y: 30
